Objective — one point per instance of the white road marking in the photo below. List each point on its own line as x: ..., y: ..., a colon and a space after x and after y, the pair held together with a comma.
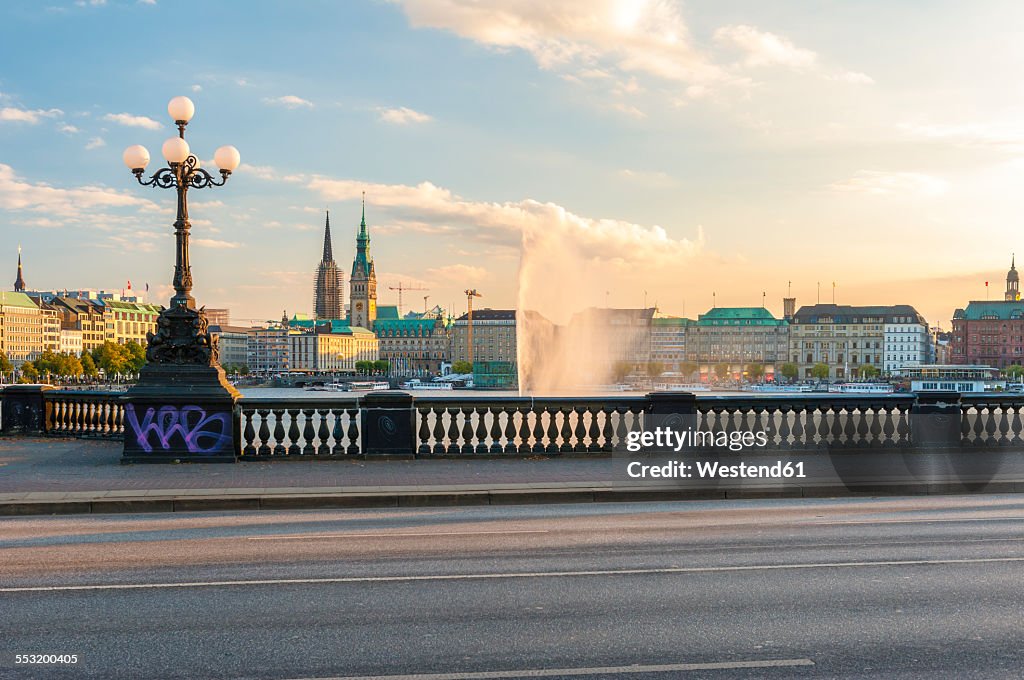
x: 302, y: 537
x: 921, y: 520
x: 604, y: 670
x: 510, y: 575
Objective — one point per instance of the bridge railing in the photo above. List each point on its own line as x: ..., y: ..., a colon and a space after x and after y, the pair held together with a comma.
x: 473, y: 424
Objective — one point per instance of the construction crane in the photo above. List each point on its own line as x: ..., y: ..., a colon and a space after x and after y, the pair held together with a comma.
x: 400, y: 287
x: 470, y: 294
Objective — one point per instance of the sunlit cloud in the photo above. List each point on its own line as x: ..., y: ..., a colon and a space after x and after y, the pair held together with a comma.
x: 16, y: 115
x: 880, y: 183
x: 130, y: 120
x: 403, y: 116
x: 289, y: 101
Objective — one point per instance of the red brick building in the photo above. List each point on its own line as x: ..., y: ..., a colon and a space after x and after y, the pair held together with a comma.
x: 991, y: 333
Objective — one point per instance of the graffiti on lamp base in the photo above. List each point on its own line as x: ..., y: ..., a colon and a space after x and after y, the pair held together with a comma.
x: 201, y: 433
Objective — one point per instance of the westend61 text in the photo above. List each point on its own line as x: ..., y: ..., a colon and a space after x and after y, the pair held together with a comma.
x: 703, y: 469
x: 669, y: 438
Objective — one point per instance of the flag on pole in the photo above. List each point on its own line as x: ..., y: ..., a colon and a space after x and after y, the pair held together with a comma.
x: 147, y: 287
x: 129, y: 284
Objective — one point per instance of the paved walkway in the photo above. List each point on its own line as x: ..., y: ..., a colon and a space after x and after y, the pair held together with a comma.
x: 45, y: 475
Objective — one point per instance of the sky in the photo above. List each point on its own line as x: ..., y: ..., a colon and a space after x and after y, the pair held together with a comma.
x: 552, y: 155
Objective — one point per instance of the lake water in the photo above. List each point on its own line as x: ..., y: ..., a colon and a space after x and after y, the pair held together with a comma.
x: 293, y: 392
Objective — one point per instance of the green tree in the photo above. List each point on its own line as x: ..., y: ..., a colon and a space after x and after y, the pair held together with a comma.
x: 135, y: 356
x: 88, y: 365
x: 462, y: 367
x: 382, y: 366
x: 243, y: 370
x: 112, y: 358
x: 820, y: 371
x: 870, y: 372
x: 29, y: 373
x: 722, y: 371
x: 1015, y: 371
x: 789, y: 370
x: 364, y: 367
x: 6, y: 367
x: 688, y: 368
x: 755, y: 371
x: 620, y: 370
x: 655, y: 368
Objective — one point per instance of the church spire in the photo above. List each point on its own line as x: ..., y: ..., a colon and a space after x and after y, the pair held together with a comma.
x: 19, y: 283
x: 328, y: 249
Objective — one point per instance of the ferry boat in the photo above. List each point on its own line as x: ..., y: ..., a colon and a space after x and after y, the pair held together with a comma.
x: 681, y: 387
x: 417, y: 384
x: 963, y: 378
x: 861, y: 388
x: 778, y: 389
x: 366, y: 386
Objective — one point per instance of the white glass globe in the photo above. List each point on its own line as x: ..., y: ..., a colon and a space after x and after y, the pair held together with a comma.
x: 181, y: 108
x: 175, y: 150
x: 227, y: 158
x: 136, y: 157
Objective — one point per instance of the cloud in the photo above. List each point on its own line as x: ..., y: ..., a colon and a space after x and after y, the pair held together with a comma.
x: 147, y: 2
x: 880, y: 183
x: 16, y: 115
x: 288, y: 101
x: 459, y: 273
x: 765, y: 49
x: 506, y: 223
x: 403, y: 116
x: 213, y: 243
x: 95, y: 143
x: 18, y: 194
x: 130, y: 120
x: 67, y: 128
x: 1009, y: 136
x: 197, y: 88
x: 648, y: 177
x: 853, y: 77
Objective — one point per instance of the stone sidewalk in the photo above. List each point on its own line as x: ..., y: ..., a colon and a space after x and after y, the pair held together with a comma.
x: 51, y: 476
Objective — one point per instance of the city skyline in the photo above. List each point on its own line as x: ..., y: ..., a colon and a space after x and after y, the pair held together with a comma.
x: 661, y: 143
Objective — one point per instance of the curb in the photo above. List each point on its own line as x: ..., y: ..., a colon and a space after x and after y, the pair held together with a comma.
x: 426, y: 498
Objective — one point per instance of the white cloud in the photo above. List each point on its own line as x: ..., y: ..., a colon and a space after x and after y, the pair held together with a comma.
x: 459, y: 273
x: 67, y: 128
x: 18, y: 194
x: 147, y: 2
x: 16, y: 115
x: 647, y: 177
x: 197, y: 88
x: 95, y: 143
x: 288, y: 101
x: 765, y: 49
x: 1009, y: 136
x: 213, y: 243
x: 130, y: 120
x: 880, y: 183
x: 507, y: 223
x: 403, y: 116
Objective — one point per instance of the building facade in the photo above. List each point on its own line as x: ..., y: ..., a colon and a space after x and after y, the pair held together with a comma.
x: 414, y: 346
x: 668, y: 341
x: 233, y: 343
x: 737, y: 337
x: 847, y: 339
x: 328, y: 286
x: 126, y: 322
x: 989, y: 333
x: 494, y: 336
x: 269, y: 351
x: 907, y: 342
x: 23, y: 327
x: 331, y: 349
x: 218, y: 316
x: 363, y: 282
x: 85, y: 316
x: 71, y: 341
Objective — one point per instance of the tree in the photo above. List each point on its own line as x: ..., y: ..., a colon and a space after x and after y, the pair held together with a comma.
x: 820, y: 371
x: 1015, y: 371
x: 6, y: 367
x: 621, y: 369
x: 111, y: 358
x: 462, y: 367
x: 722, y: 370
x: 755, y: 371
x: 655, y: 368
x: 870, y: 372
x: 789, y: 370
x: 688, y: 368
x: 382, y: 366
x: 88, y: 365
x: 364, y: 367
x: 29, y: 373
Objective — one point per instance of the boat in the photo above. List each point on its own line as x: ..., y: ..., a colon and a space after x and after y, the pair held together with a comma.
x: 681, y: 387
x: 366, y: 386
x: 861, y: 388
x: 778, y: 389
x: 417, y: 384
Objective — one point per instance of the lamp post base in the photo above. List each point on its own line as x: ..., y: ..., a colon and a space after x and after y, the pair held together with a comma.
x: 183, y: 408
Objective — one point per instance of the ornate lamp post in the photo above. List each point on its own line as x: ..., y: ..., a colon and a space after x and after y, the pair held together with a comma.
x: 181, y: 407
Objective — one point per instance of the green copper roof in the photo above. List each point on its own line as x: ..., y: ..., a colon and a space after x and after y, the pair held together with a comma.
x: 404, y: 327
x: 9, y: 299
x: 739, y: 316
x: 363, y: 262
x: 977, y: 310
x: 387, y: 312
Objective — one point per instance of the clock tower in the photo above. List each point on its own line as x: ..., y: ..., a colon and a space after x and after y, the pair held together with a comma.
x: 363, y: 282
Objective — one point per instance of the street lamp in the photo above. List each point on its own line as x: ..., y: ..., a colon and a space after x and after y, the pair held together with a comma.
x: 182, y: 335
x: 182, y: 406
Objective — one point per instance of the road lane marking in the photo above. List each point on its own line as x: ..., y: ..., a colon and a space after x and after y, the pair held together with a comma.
x: 302, y: 537
x: 510, y: 575
x: 603, y: 670
x: 919, y: 520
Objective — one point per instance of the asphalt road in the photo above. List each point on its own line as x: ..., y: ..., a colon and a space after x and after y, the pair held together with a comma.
x: 889, y: 588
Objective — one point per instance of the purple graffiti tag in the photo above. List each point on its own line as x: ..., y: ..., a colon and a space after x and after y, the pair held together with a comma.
x: 191, y: 423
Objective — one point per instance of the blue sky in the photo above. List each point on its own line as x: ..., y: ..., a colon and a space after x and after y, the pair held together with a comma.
x: 552, y: 155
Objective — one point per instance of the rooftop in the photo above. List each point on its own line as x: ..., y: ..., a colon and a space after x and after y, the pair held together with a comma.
x: 829, y: 313
x: 739, y: 316
x: 996, y: 309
